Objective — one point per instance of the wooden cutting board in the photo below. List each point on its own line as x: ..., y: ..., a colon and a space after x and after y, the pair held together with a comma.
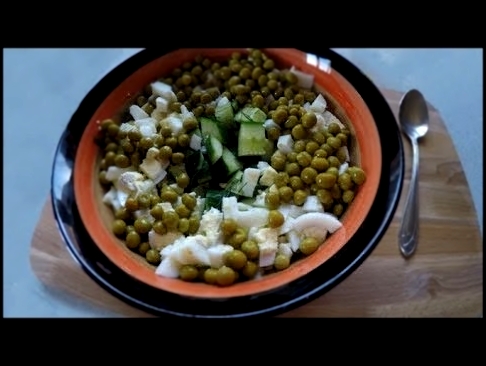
x: 443, y: 279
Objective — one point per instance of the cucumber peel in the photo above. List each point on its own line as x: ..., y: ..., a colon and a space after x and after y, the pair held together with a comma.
x: 250, y: 115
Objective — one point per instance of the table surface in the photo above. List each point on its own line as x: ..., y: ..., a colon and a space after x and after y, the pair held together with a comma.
x: 42, y: 88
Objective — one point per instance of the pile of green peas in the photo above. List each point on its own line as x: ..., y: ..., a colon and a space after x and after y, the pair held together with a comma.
x: 312, y: 168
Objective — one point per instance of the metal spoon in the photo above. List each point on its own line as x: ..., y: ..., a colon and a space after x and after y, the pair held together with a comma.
x: 414, y: 120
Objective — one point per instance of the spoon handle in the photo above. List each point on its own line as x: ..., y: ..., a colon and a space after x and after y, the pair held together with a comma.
x: 408, y: 234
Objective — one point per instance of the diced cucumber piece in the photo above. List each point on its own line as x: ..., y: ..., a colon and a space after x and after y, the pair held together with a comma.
x: 250, y: 114
x: 197, y: 168
x: 234, y: 183
x: 194, y: 161
x: 224, y: 112
x: 214, y: 148
x: 252, y: 140
x: 211, y: 127
x: 234, y: 104
x: 230, y: 161
x: 214, y: 198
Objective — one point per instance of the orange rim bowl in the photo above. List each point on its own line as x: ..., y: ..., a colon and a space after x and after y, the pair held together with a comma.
x: 343, y: 100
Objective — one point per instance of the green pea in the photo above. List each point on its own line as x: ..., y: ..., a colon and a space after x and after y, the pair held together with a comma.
x: 250, y: 269
x: 281, y: 179
x: 144, y: 201
x: 169, y: 195
x: 131, y: 204
x: 228, y: 227
x: 188, y: 273
x: 275, y: 219
x: 334, y: 161
x: 183, y: 211
x: 292, y: 169
x: 300, y: 196
x: 122, y: 161
x: 102, y: 178
x: 122, y: 214
x: 159, y: 227
x: 345, y: 182
x: 308, y: 175
x: 183, y: 180
x: 153, y: 256
x: 281, y: 262
x: 119, y: 227
x: 299, y: 132
x: 250, y: 248
x: 338, y: 209
x: 189, y: 201
x: 296, y: 183
x: 325, y: 180
x: 183, y: 226
x: 334, y: 142
x: 142, y: 225
x: 325, y: 197
x: 157, y: 212
x: 171, y: 220
x: 143, y: 248
x: 304, y: 158
x: 235, y: 259
x: 272, y: 200
x: 226, y: 276
x: 358, y: 175
x: 309, y: 120
x: 348, y: 196
x: 286, y: 194
x: 334, y: 128
x: 194, y: 224
x: 309, y: 245
x: 210, y: 275
x: 320, y: 164
x: 237, y: 238
x: 132, y: 240
x: 146, y: 143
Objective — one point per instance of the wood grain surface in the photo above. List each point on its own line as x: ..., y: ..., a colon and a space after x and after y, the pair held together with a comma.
x: 444, y: 278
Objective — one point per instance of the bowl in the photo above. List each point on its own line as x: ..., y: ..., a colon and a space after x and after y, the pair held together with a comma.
x: 343, y: 100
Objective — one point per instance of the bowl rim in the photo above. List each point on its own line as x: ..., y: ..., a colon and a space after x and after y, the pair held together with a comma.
x: 268, y: 283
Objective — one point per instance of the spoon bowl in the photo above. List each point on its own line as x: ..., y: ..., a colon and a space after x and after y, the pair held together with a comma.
x: 414, y: 120
x: 413, y: 114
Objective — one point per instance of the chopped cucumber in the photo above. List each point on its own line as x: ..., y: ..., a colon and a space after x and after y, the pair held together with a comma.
x: 211, y: 127
x: 214, y: 198
x: 214, y: 148
x: 224, y: 112
x: 252, y: 140
x: 250, y: 114
x: 193, y: 162
x: 230, y: 162
x: 234, y: 184
x: 234, y: 104
x: 197, y: 168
